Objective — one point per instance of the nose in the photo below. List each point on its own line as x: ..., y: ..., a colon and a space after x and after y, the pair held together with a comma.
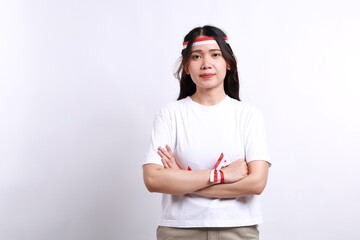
x: 206, y: 64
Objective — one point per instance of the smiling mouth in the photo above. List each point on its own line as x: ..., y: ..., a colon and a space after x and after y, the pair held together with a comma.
x: 207, y: 75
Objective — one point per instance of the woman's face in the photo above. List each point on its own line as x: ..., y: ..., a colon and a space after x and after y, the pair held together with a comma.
x: 207, y: 67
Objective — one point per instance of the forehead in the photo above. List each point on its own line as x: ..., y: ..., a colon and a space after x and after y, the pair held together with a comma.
x: 205, y: 47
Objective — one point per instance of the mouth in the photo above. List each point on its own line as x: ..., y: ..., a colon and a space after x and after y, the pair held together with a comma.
x: 207, y: 75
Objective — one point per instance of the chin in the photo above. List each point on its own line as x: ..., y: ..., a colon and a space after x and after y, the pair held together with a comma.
x: 210, y: 85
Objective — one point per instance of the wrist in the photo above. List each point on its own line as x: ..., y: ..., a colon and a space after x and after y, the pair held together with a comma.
x: 217, y: 176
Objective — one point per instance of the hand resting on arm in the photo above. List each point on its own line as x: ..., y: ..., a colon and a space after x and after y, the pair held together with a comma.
x: 170, y: 179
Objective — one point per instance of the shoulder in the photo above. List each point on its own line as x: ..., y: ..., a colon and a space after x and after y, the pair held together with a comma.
x: 173, y: 107
x: 244, y: 109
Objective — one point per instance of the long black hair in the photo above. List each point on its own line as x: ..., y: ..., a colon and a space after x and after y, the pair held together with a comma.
x: 231, y: 81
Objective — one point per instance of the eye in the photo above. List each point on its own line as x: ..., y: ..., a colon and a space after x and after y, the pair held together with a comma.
x: 216, y: 54
x: 195, y: 56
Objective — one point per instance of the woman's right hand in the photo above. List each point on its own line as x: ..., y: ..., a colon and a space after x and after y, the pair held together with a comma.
x: 235, y: 171
x: 168, y: 158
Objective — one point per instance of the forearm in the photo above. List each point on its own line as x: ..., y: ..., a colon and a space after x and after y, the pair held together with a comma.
x: 177, y: 182
x: 253, y: 184
x: 244, y: 187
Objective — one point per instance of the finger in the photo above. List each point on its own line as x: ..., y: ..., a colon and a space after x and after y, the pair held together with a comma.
x: 159, y: 153
x: 163, y: 159
x: 168, y: 149
x: 166, y: 153
x: 168, y: 163
x: 166, y: 166
x: 163, y: 150
x: 162, y: 155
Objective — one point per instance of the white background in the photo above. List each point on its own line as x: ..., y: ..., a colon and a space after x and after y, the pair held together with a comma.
x: 80, y: 82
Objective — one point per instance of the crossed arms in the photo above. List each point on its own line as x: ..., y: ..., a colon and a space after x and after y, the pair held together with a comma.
x: 241, y: 178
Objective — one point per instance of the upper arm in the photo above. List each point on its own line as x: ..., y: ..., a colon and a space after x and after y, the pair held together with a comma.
x: 255, y: 138
x: 161, y: 135
x: 257, y: 153
x: 258, y: 171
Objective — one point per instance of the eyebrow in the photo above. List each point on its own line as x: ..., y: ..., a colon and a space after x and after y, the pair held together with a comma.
x: 211, y: 50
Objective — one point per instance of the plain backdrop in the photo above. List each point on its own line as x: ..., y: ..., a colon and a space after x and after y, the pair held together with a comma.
x: 81, y: 81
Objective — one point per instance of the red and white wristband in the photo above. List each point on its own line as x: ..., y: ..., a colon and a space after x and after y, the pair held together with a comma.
x: 216, y: 175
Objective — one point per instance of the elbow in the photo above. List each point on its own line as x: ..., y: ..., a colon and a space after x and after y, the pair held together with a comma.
x: 149, y: 187
x: 258, y: 187
x: 150, y: 177
x: 258, y: 191
x: 150, y: 184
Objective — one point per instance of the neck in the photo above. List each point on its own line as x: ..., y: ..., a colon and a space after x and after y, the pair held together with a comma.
x: 208, y: 98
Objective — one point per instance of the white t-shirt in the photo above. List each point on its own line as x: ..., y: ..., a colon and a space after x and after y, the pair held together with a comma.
x: 198, y: 134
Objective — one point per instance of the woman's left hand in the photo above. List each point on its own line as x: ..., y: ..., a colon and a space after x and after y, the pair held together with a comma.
x: 167, y: 158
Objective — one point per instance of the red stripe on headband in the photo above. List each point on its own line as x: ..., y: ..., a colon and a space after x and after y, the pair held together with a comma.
x: 203, y: 39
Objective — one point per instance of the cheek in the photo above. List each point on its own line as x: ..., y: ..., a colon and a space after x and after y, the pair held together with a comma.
x: 191, y: 69
x: 222, y: 68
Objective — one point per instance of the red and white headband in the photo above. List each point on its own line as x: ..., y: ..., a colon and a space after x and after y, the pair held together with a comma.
x: 203, y: 40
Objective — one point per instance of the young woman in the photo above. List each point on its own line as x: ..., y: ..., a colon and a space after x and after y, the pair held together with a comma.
x: 208, y: 153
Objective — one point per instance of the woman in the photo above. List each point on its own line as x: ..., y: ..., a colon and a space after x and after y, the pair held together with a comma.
x: 208, y: 154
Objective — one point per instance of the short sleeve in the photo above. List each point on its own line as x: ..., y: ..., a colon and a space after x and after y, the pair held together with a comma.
x: 255, y: 142
x: 161, y: 135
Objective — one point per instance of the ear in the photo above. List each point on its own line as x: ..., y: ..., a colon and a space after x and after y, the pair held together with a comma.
x: 228, y: 67
x: 186, y: 70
